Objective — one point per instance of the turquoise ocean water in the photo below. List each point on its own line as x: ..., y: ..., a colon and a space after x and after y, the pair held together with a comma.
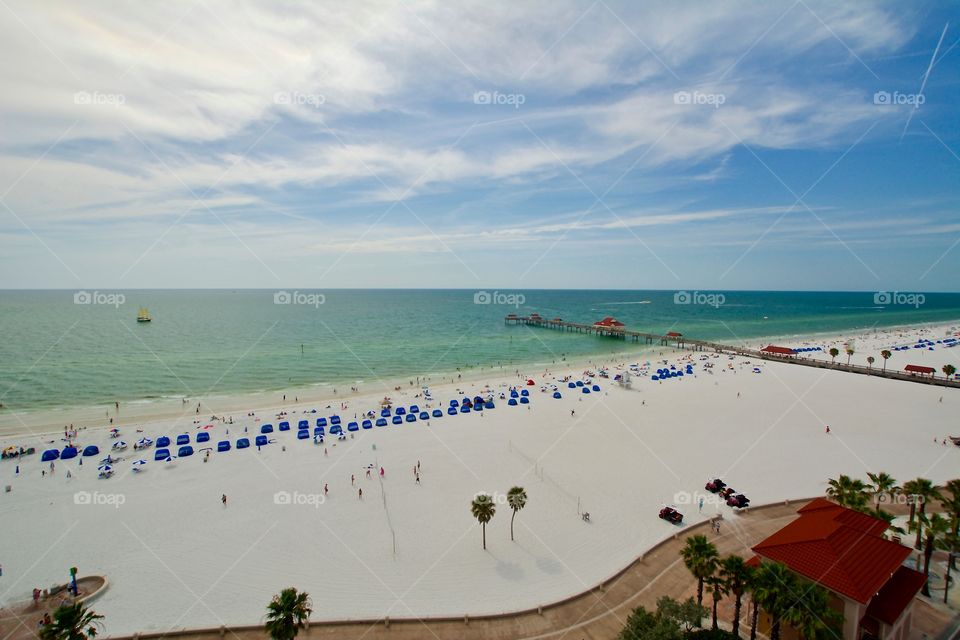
x: 55, y: 352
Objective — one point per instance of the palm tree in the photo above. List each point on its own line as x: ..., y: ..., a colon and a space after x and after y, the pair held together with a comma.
x: 850, y: 352
x: 923, y: 491
x: 883, y: 485
x: 834, y: 352
x: 811, y: 613
x: 949, y: 370
x: 774, y: 584
x: 700, y: 556
x: 517, y: 499
x: 870, y: 361
x: 287, y: 613
x: 737, y: 575
x: 847, y: 492
x: 885, y: 354
x: 718, y: 589
x: 951, y: 505
x: 483, y: 509
x: 72, y: 622
x: 937, y: 529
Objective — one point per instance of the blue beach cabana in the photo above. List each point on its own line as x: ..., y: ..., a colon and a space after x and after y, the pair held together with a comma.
x: 161, y: 454
x: 411, y: 417
x: 203, y: 436
x: 90, y: 450
x: 68, y: 453
x: 185, y: 451
x: 183, y: 439
x: 163, y: 441
x: 243, y: 443
x: 397, y: 419
x: 437, y: 413
x: 452, y: 411
x: 223, y: 445
x: 353, y: 426
x: 50, y: 454
x: 268, y: 428
x: 381, y: 422
x: 366, y: 424
x: 262, y: 441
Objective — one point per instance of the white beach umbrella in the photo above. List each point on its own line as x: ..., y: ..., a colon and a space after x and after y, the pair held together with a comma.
x: 144, y: 442
x: 104, y: 467
x: 119, y: 444
x: 139, y: 463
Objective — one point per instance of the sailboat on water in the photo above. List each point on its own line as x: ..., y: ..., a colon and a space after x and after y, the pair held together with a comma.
x: 144, y: 315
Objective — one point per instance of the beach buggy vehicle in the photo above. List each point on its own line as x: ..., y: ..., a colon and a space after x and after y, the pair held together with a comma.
x: 738, y: 501
x: 671, y: 515
x: 715, y: 486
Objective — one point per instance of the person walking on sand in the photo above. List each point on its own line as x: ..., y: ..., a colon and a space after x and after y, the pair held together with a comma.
x: 417, y: 478
x: 352, y: 479
x: 381, y: 472
x: 360, y: 494
x: 223, y: 499
x: 368, y: 474
x: 827, y: 429
x: 326, y: 489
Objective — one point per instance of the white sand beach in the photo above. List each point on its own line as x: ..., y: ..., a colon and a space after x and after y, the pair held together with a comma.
x: 176, y: 557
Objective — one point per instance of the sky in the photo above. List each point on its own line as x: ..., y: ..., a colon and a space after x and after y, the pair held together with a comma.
x: 539, y: 144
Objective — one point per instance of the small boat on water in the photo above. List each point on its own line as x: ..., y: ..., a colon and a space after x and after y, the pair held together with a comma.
x: 144, y: 315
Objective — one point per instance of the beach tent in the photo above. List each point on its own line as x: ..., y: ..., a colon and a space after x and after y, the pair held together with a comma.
x: 303, y: 434
x: 384, y: 413
x: 50, y: 454
x: 524, y: 392
x: 284, y: 426
x: 401, y: 411
x: 489, y: 405
x: 381, y: 422
x: 524, y: 400
x: 185, y: 451
x: 452, y: 411
x: 424, y: 415
x: 556, y: 394
x: 464, y: 408
x: 321, y: 422
x: 353, y: 426
x: 183, y: 439
x: 512, y: 402
x: 454, y: 403
x: 514, y: 394
x: 596, y: 387
x: 366, y: 424
x: 437, y: 413
x: 68, y: 453
x: 336, y: 430
x: 411, y: 417
x: 414, y: 408
x: 261, y: 441
x: 161, y: 454
x: 243, y: 443
x: 579, y: 383
x: 163, y: 441
x: 203, y: 436
x: 268, y: 428
x: 317, y: 431
x: 585, y: 390
x: 223, y: 445
x: 334, y: 419
x: 303, y: 424
x: 571, y: 385
x: 397, y: 419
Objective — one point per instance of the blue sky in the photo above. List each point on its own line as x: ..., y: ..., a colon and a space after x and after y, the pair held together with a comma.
x: 551, y: 144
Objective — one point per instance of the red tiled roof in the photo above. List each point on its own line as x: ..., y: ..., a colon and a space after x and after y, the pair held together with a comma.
x: 838, y: 548
x: 608, y: 322
x: 674, y: 334
x: 894, y: 597
x: 781, y: 350
x: 918, y: 368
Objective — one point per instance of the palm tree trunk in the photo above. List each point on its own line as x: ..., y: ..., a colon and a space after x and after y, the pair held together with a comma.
x: 716, y: 599
x: 736, y: 615
x: 483, y: 527
x: 775, y: 629
x: 700, y: 592
x: 753, y: 620
x: 514, y: 515
x: 927, y: 553
x: 916, y: 544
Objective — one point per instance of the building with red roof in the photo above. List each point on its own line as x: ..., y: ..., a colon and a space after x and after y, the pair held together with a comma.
x: 609, y: 323
x: 780, y: 351
x: 919, y: 368
x: 845, y: 552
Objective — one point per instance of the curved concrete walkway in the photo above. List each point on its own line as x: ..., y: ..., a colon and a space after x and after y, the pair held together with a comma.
x: 598, y: 614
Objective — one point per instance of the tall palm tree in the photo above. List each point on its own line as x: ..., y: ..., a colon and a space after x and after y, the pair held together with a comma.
x: 847, y: 491
x: 923, y: 491
x: 737, y: 575
x: 812, y: 615
x: 870, y: 361
x: 883, y: 485
x: 951, y: 505
x: 774, y: 585
x: 483, y: 509
x: 718, y: 589
x: 287, y: 613
x: 516, y: 499
x: 850, y: 353
x: 937, y: 529
x: 700, y: 556
x: 834, y: 352
x: 72, y: 622
x: 885, y: 354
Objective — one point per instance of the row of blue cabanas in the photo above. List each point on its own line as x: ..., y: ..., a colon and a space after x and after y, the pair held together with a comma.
x: 672, y: 372
x: 69, y: 453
